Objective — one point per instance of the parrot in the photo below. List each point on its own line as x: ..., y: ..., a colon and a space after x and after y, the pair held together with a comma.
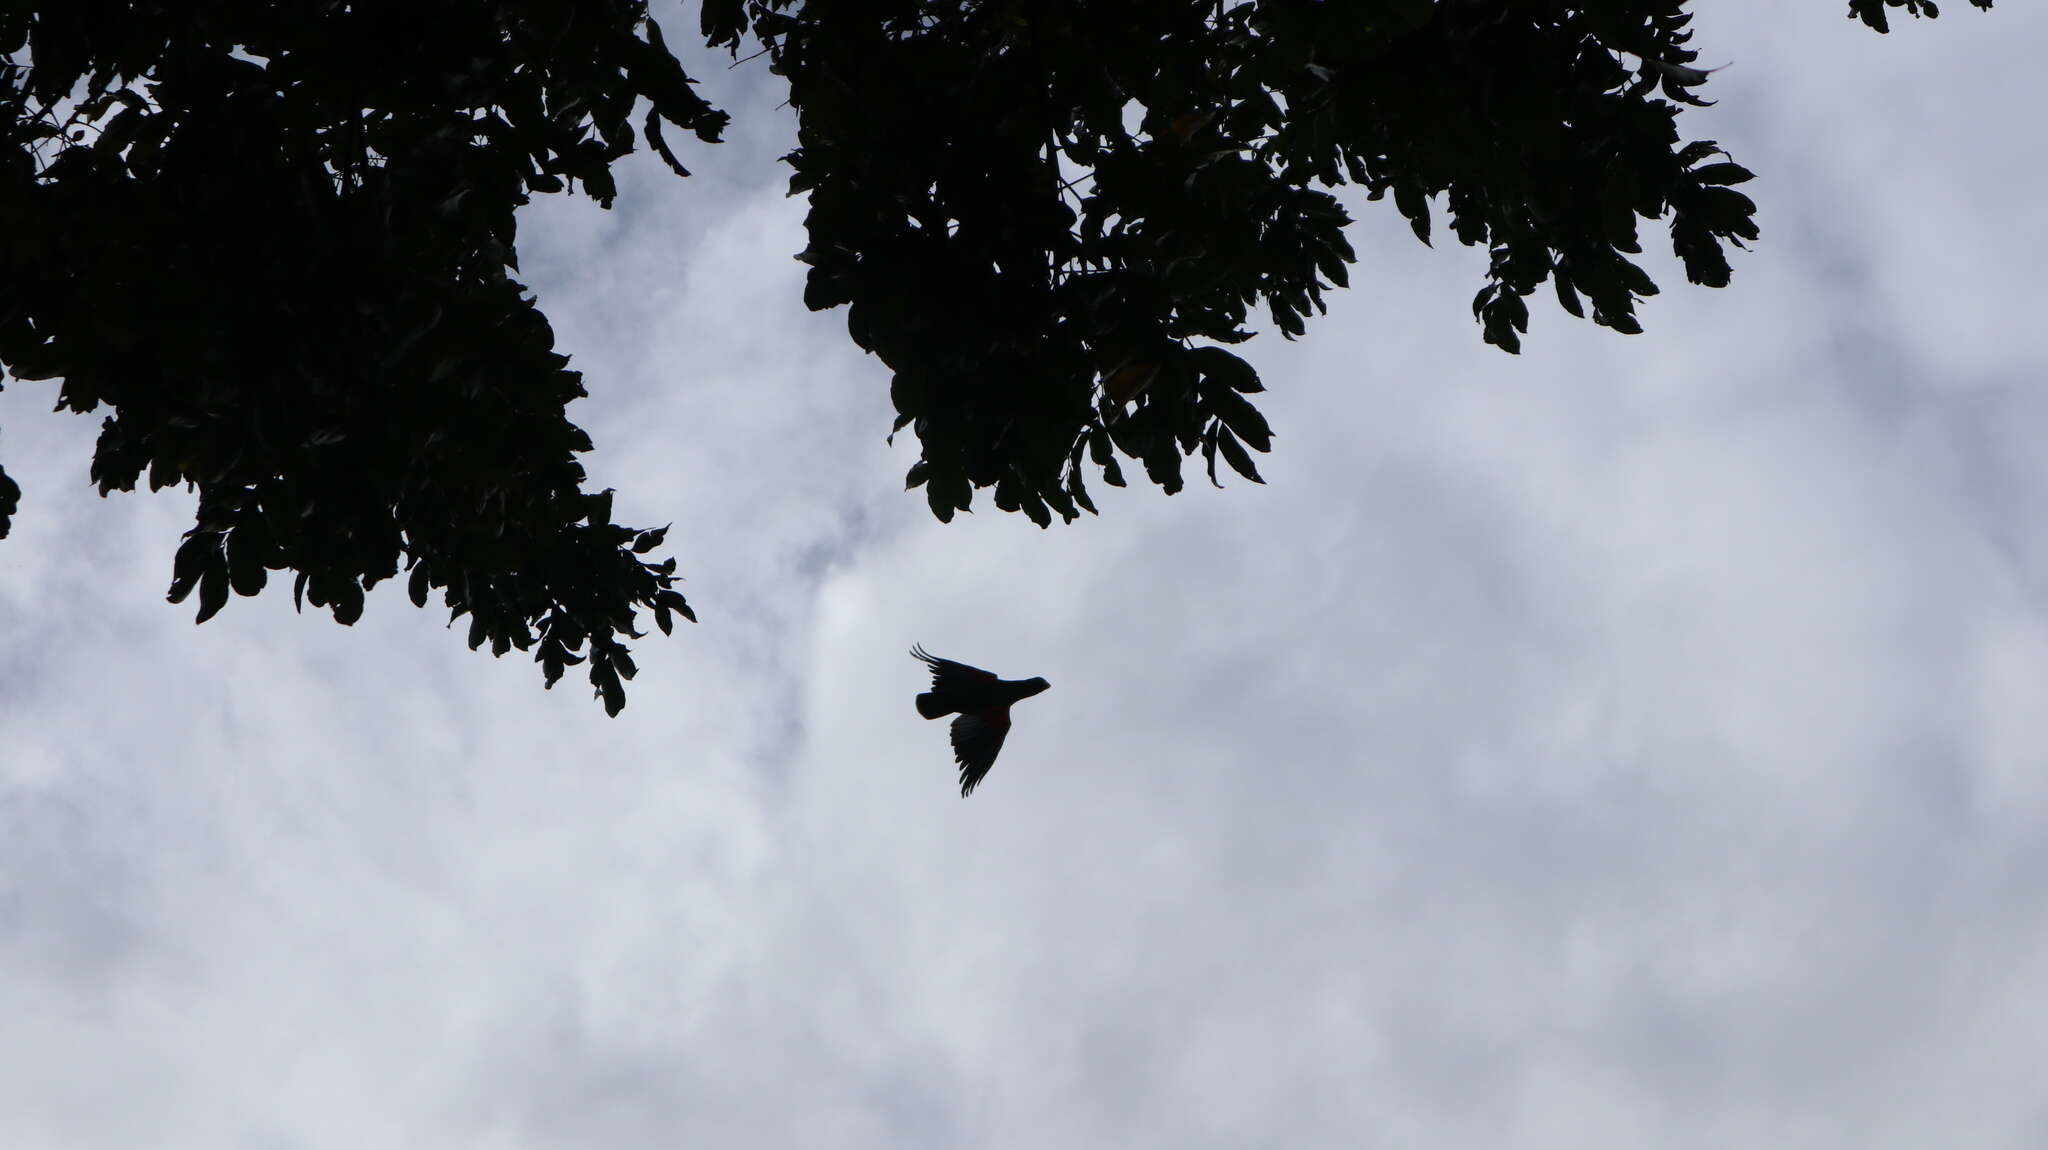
x: 983, y: 703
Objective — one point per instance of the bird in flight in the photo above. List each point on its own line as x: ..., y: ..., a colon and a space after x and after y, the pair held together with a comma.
x: 983, y: 703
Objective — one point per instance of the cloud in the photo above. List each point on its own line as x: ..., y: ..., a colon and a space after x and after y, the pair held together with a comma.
x: 1631, y: 742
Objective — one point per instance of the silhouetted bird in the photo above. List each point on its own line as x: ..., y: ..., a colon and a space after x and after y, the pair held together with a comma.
x: 983, y: 703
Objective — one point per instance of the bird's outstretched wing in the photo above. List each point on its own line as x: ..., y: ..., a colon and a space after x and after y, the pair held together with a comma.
x: 948, y: 676
x: 977, y: 736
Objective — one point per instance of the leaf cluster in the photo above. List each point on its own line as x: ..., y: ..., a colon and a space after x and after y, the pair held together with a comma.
x: 1872, y: 12
x: 275, y: 241
x: 1053, y: 220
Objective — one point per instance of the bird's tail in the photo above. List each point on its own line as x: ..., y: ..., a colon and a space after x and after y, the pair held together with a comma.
x: 930, y: 706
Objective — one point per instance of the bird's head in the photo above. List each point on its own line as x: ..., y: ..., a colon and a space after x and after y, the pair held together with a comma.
x: 1030, y: 687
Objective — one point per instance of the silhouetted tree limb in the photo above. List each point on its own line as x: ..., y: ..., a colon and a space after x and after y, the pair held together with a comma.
x: 276, y: 242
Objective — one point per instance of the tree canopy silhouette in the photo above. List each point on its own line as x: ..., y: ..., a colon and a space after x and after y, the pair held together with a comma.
x: 276, y: 242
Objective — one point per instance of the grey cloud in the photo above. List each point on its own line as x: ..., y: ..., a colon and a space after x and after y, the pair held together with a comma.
x: 1636, y: 742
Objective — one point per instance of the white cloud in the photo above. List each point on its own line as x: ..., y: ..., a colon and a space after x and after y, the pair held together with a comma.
x: 1633, y: 742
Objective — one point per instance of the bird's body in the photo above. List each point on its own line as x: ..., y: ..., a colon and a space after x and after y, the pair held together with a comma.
x: 983, y: 703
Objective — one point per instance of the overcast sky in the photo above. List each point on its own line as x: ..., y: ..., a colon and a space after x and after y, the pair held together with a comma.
x: 1636, y: 743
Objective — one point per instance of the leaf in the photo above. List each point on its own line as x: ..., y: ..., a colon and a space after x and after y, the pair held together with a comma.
x: 1286, y: 317
x: 247, y: 552
x: 1506, y: 315
x: 36, y: 363
x: 1223, y: 367
x: 1035, y: 509
x: 1240, y: 416
x: 1680, y: 74
x: 1623, y: 322
x: 1567, y: 296
x: 1414, y: 205
x: 10, y: 502
x: 1729, y: 211
x: 1234, y: 453
x: 941, y: 506
x: 606, y: 680
x: 418, y: 586
x: 1632, y: 277
x: 1079, y: 489
x: 213, y: 588
x: 190, y: 563
x: 348, y: 603
x: 1162, y: 465
x: 1723, y: 174
x: 652, y: 130
x: 649, y: 540
x: 1099, y: 446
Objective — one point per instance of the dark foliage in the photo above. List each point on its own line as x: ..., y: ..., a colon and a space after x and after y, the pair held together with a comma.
x: 1871, y: 12
x: 1097, y: 198
x: 275, y: 240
